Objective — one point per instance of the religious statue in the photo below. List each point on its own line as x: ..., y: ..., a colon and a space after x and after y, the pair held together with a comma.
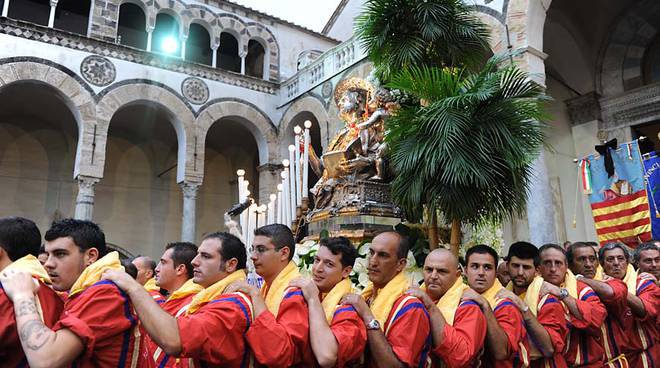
x: 358, y: 151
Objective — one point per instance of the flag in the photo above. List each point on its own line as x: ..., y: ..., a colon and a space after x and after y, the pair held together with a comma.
x: 652, y: 176
x: 619, y: 203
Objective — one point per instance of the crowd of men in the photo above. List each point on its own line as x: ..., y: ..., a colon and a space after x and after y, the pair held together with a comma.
x: 583, y: 306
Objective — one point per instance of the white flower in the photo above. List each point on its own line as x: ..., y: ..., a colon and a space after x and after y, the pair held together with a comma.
x: 360, y: 266
x: 305, y: 248
x: 416, y: 276
x: 364, y: 249
x: 410, y: 261
x: 296, y: 260
x: 363, y: 280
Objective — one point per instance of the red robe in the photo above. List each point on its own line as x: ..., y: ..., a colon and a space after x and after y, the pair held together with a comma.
x: 350, y: 333
x: 622, y: 332
x: 408, y: 330
x: 510, y: 320
x: 463, y: 340
x: 103, y: 318
x: 11, y: 352
x: 585, y: 348
x: 175, y: 307
x: 283, y: 341
x: 214, y: 336
x: 554, y: 318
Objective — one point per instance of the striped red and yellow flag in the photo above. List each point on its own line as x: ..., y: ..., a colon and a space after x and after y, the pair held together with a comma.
x: 625, y: 219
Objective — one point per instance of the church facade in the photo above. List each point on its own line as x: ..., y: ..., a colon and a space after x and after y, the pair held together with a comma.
x: 138, y: 113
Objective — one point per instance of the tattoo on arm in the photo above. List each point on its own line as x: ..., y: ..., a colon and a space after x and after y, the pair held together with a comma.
x: 34, y: 334
x: 26, y: 307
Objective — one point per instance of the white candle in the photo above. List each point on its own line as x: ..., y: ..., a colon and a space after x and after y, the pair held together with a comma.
x: 279, y: 203
x: 286, y: 195
x: 261, y: 213
x: 271, y: 209
x: 299, y: 191
x: 253, y: 221
x: 305, y: 163
x: 292, y: 183
x: 241, y: 188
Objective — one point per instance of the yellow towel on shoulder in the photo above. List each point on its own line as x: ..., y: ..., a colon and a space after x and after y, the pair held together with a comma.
x: 630, y: 279
x: 332, y: 299
x: 570, y: 284
x: 490, y: 294
x: 150, y: 285
x: 189, y: 287
x: 531, y: 297
x: 273, y: 294
x: 92, y: 274
x: 31, y: 265
x: 450, y: 301
x: 384, y: 299
x: 213, y: 291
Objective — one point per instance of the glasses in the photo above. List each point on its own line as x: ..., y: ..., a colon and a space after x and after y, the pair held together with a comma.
x: 260, y: 249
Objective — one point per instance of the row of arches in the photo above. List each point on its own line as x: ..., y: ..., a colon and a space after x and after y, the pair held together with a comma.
x: 185, y: 32
x: 138, y: 168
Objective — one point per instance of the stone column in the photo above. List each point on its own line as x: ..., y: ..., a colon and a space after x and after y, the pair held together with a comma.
x: 183, y: 40
x: 214, y: 50
x: 51, y: 17
x: 5, y: 8
x: 85, y: 198
x: 150, y: 32
x: 243, y: 55
x: 269, y: 177
x: 189, y: 219
x: 540, y: 208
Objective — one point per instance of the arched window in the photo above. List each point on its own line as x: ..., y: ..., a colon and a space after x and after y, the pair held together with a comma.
x: 198, y: 45
x: 166, y: 35
x: 73, y: 16
x: 34, y: 11
x: 254, y: 61
x: 228, y: 58
x: 132, y: 26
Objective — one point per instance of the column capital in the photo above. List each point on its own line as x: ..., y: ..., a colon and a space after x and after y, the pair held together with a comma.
x: 189, y: 189
x: 272, y: 167
x: 86, y: 183
x: 242, y: 54
x: 149, y: 28
x: 53, y: 2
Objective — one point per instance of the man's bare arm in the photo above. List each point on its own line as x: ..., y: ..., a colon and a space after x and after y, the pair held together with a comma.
x: 636, y: 305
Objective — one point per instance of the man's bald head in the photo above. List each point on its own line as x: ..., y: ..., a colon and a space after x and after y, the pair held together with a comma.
x: 440, y: 272
x: 146, y: 268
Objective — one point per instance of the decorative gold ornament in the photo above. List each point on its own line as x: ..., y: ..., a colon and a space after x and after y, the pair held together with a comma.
x: 353, y: 84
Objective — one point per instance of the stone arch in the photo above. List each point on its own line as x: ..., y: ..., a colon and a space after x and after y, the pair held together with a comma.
x: 526, y: 20
x: 175, y: 8
x: 497, y: 41
x: 181, y: 115
x: 236, y: 27
x: 256, y: 121
x: 262, y: 34
x: 77, y: 96
x: 200, y: 15
x: 620, y: 63
x: 309, y: 104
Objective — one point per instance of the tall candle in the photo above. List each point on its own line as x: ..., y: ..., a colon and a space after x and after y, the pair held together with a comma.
x: 292, y: 183
x: 271, y: 209
x: 261, y: 213
x: 297, y: 141
x: 305, y: 163
x: 279, y: 203
x: 286, y: 200
x: 241, y: 188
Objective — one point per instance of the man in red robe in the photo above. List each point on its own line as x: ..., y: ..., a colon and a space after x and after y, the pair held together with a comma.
x: 279, y: 336
x: 506, y: 338
x: 458, y: 326
x: 586, y: 311
x: 398, y: 327
x: 98, y: 326
x: 337, y: 334
x: 647, y: 259
x: 211, y: 331
x: 174, y: 273
x: 20, y: 241
x: 546, y: 318
x: 632, y: 305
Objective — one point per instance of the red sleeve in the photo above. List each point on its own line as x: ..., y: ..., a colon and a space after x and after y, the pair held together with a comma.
x: 8, y: 334
x: 215, y: 333
x: 464, y: 338
x: 351, y: 334
x: 409, y: 335
x: 552, y: 317
x: 616, y: 304
x: 592, y: 310
x: 649, y: 293
x: 281, y: 342
x: 511, y: 321
x: 98, y: 313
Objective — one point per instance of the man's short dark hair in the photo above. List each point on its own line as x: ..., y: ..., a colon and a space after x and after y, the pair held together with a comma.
x: 182, y: 254
x: 148, y: 262
x: 610, y: 246
x: 482, y: 249
x: 554, y: 246
x: 19, y: 237
x: 231, y: 247
x: 642, y: 247
x: 571, y: 249
x: 524, y: 250
x: 343, y: 246
x: 280, y: 235
x: 403, y: 246
x: 85, y: 234
x: 129, y: 268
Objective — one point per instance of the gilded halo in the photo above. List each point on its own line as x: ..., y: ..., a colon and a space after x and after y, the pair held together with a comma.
x: 353, y: 84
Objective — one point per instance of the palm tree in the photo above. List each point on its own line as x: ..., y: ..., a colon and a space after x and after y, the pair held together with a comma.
x: 468, y: 149
x: 404, y: 33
